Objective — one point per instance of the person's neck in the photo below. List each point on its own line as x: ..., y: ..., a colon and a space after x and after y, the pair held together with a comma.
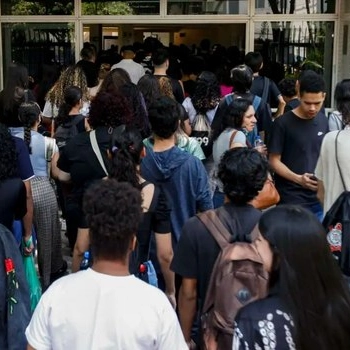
x: 112, y: 268
x: 161, y: 145
x: 297, y: 111
x: 159, y: 71
x: 75, y: 110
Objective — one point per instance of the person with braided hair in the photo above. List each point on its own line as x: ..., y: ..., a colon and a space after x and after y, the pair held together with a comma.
x: 46, y: 217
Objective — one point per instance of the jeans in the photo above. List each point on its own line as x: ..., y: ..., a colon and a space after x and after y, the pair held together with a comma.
x: 317, y: 210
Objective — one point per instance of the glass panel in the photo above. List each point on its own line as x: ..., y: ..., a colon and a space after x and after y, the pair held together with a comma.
x: 288, y: 47
x: 294, y: 6
x: 27, y: 8
x: 347, y: 6
x: 35, y: 44
x: 120, y: 8
x: 345, y: 51
x: 202, y: 7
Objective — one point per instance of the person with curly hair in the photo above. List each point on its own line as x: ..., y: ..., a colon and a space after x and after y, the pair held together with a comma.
x: 201, y: 108
x: 106, y: 306
x: 46, y: 217
x: 78, y: 162
x: 126, y: 152
x: 243, y: 172
x: 72, y: 76
x: 12, y: 189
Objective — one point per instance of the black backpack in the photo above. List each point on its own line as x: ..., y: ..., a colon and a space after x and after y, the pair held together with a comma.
x: 67, y: 131
x: 337, y: 224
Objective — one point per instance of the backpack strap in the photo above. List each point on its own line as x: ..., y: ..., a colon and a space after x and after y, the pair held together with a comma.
x: 337, y: 160
x: 265, y: 89
x: 256, y: 102
x: 96, y: 150
x: 229, y: 98
x: 217, y: 229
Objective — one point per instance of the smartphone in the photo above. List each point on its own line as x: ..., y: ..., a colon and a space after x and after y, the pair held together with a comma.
x: 313, y: 177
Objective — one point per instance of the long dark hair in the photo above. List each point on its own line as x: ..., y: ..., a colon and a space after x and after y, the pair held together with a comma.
x: 342, y: 99
x: 72, y: 95
x: 15, y: 86
x: 126, y: 146
x: 233, y: 118
x: 309, y: 281
x: 8, y: 155
x: 28, y: 114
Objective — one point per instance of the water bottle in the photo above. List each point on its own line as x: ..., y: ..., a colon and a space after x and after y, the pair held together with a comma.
x: 258, y: 142
x: 85, y: 262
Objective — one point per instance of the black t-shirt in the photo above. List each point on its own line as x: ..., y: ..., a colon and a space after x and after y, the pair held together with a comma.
x: 197, y: 250
x: 79, y: 160
x: 298, y: 141
x: 257, y: 88
x: 9, y: 117
x: 155, y: 220
x: 263, y: 114
x: 13, y: 203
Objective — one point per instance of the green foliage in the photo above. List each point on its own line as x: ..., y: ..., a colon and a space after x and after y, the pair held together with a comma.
x: 107, y: 8
x: 27, y: 8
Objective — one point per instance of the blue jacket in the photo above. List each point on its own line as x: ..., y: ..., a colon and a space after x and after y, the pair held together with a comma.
x: 183, y: 179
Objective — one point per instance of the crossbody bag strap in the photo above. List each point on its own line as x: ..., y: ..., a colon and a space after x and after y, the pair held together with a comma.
x: 265, y: 89
x: 233, y: 135
x: 337, y: 160
x: 96, y: 150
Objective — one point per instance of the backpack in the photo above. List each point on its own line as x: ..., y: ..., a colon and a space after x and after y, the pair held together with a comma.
x: 201, y: 130
x: 337, y: 224
x: 252, y: 135
x: 238, y: 278
x: 14, y: 294
x: 67, y: 131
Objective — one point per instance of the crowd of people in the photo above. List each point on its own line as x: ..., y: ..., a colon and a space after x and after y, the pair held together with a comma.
x: 147, y: 162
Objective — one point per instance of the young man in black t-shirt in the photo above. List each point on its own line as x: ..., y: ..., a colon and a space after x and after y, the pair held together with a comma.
x: 243, y: 172
x: 254, y: 61
x: 295, y: 145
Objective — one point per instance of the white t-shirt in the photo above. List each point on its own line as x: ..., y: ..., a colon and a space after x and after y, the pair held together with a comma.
x: 327, y: 169
x: 52, y: 112
x: 134, y: 69
x: 90, y: 310
x: 191, y: 111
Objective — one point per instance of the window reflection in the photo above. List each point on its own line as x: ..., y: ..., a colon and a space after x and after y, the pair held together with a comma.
x: 29, y: 8
x: 120, y: 8
x: 199, y: 7
x: 289, y: 47
x: 294, y: 6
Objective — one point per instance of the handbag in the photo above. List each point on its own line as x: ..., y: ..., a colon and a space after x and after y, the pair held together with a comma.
x: 32, y: 277
x: 267, y: 197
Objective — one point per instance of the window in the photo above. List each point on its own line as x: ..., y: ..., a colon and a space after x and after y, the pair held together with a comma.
x: 30, y: 8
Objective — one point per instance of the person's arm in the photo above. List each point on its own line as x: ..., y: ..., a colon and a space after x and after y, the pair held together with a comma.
x: 304, y: 180
x: 81, y: 246
x: 187, y: 306
x: 29, y: 347
x: 63, y: 176
x: 54, y: 169
x: 165, y: 256
x: 28, y: 217
x: 280, y: 107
